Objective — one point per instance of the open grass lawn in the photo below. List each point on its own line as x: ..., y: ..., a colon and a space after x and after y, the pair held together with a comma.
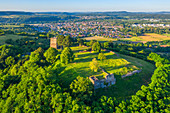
x: 99, y: 38
x: 9, y: 36
x: 149, y: 37
x: 115, y: 63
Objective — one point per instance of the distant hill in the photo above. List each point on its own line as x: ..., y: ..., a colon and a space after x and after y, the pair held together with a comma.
x: 79, y: 13
x: 6, y: 13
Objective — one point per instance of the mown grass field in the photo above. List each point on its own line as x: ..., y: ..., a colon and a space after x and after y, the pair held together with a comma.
x: 149, y: 37
x: 9, y: 36
x: 115, y: 63
x: 99, y: 38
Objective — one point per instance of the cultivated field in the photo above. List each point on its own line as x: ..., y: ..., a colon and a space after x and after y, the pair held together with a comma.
x: 149, y: 37
x: 8, y: 36
x: 99, y: 38
x: 115, y: 63
x: 11, y: 26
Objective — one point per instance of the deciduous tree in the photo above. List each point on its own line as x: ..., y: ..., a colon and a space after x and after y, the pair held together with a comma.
x: 67, y: 55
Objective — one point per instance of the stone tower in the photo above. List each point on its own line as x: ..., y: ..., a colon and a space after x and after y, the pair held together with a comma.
x: 53, y: 42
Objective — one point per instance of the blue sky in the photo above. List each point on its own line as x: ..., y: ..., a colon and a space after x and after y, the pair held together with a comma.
x: 85, y: 5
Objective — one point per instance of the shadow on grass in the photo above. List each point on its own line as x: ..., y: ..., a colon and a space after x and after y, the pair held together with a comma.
x: 66, y: 77
x: 83, y: 60
x: 86, y: 54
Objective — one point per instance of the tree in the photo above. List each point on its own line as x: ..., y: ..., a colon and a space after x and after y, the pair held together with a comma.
x: 67, y: 41
x: 60, y: 39
x: 96, y: 47
x: 80, y: 41
x: 51, y: 55
x: 94, y: 66
x: 106, y: 45
x: 82, y: 88
x: 9, y: 41
x: 10, y: 61
x: 67, y: 55
x: 101, y: 56
x: 92, y: 42
x: 37, y: 56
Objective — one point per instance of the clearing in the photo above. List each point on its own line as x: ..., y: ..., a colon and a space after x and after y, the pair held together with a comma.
x: 115, y: 63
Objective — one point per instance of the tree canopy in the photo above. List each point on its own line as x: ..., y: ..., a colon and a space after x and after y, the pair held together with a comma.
x: 67, y: 55
x: 94, y: 66
x: 96, y: 47
x: 51, y: 55
x: 101, y: 56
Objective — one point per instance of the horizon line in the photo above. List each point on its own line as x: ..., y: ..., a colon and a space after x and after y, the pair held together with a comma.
x: 80, y: 11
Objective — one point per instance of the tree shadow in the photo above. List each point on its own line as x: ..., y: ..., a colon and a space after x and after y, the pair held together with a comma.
x: 87, y: 54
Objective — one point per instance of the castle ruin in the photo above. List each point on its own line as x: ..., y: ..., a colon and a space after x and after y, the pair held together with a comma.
x: 53, y: 42
x: 107, y: 81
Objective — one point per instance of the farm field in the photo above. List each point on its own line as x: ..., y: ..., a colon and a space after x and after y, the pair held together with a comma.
x: 11, y: 26
x: 149, y: 37
x: 9, y: 36
x: 115, y: 63
x: 166, y: 34
x: 99, y: 38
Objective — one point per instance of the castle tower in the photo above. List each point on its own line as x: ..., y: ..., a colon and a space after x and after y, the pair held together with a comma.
x: 53, y: 42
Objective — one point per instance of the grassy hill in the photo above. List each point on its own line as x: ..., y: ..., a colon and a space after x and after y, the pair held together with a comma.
x: 115, y: 63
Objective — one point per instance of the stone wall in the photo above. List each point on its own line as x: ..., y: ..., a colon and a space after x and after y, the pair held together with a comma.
x: 131, y: 73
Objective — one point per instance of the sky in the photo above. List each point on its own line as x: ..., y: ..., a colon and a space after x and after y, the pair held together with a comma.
x: 85, y: 5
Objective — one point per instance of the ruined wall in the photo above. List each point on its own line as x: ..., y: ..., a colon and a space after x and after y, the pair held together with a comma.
x: 131, y: 73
